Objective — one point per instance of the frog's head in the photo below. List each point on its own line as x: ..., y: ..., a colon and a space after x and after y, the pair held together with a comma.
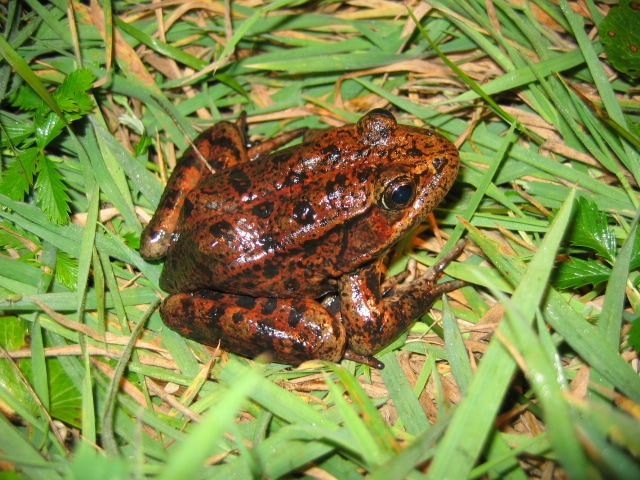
x: 405, y: 171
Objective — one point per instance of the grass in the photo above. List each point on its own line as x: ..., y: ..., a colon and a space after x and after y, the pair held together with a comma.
x: 530, y: 371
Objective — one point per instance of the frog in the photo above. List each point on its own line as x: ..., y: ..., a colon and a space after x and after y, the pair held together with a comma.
x: 281, y: 250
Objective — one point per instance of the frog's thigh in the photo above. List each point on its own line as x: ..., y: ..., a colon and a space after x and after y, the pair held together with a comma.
x: 290, y: 330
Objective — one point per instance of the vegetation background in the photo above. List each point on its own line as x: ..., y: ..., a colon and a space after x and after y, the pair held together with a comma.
x: 531, y: 371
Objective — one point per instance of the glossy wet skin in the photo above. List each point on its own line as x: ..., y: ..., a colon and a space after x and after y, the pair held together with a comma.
x: 252, y: 245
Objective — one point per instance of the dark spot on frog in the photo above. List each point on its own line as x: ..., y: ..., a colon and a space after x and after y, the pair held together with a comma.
x: 187, y: 207
x: 311, y: 245
x: 215, y: 314
x: 171, y: 196
x: 294, y: 178
x: 237, y: 317
x: 364, y: 174
x: 270, y: 270
x: 223, y: 230
x: 263, y: 210
x: 269, y: 306
x: 296, y: 315
x: 332, y: 154
x: 239, y: 181
x: 373, y: 283
x: 217, y: 165
x: 226, y: 144
x: 269, y: 242
x: 292, y: 284
x: 415, y: 152
x: 243, y: 301
x: 339, y: 181
x: 303, y: 213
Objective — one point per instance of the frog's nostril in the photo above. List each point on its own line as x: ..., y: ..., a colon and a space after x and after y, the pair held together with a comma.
x: 438, y: 163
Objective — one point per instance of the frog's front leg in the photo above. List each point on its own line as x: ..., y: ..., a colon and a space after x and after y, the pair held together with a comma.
x: 372, y: 319
x: 289, y: 330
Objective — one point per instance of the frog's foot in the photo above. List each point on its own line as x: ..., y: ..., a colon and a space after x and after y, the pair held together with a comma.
x: 289, y: 330
x: 364, y: 359
x: 425, y: 289
x: 438, y: 267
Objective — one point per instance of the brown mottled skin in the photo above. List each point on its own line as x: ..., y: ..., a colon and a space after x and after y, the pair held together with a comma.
x: 254, y: 239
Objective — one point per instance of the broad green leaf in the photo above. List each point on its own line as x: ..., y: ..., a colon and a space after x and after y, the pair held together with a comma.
x: 17, y: 178
x: 72, y: 96
x: 67, y: 270
x: 48, y: 126
x: 591, y: 229
x: 13, y: 336
x: 576, y: 272
x: 620, y: 35
x: 634, y: 334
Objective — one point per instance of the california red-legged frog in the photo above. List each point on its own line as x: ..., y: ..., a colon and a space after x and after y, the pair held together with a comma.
x: 281, y: 252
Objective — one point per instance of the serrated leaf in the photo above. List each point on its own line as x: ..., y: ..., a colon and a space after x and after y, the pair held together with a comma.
x: 26, y: 98
x: 12, y: 236
x: 72, y: 96
x: 17, y: 130
x: 52, y: 192
x: 17, y: 179
x: 67, y: 270
x: 48, y: 126
x: 64, y: 398
x: 591, y: 230
x: 620, y: 35
x: 578, y: 273
x: 22, y: 68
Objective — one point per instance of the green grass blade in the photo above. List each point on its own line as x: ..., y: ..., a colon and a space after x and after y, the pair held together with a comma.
x: 468, y: 432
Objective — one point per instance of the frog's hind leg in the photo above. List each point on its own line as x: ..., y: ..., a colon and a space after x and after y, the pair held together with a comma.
x: 288, y: 330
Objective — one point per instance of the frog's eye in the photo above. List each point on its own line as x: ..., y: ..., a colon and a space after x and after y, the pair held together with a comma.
x: 381, y: 111
x: 398, y: 193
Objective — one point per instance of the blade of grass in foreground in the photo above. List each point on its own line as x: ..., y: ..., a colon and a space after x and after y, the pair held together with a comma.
x: 192, y: 454
x: 17, y: 449
x: 460, y: 447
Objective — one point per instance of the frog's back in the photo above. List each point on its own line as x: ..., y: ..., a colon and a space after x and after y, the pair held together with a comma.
x: 266, y: 229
